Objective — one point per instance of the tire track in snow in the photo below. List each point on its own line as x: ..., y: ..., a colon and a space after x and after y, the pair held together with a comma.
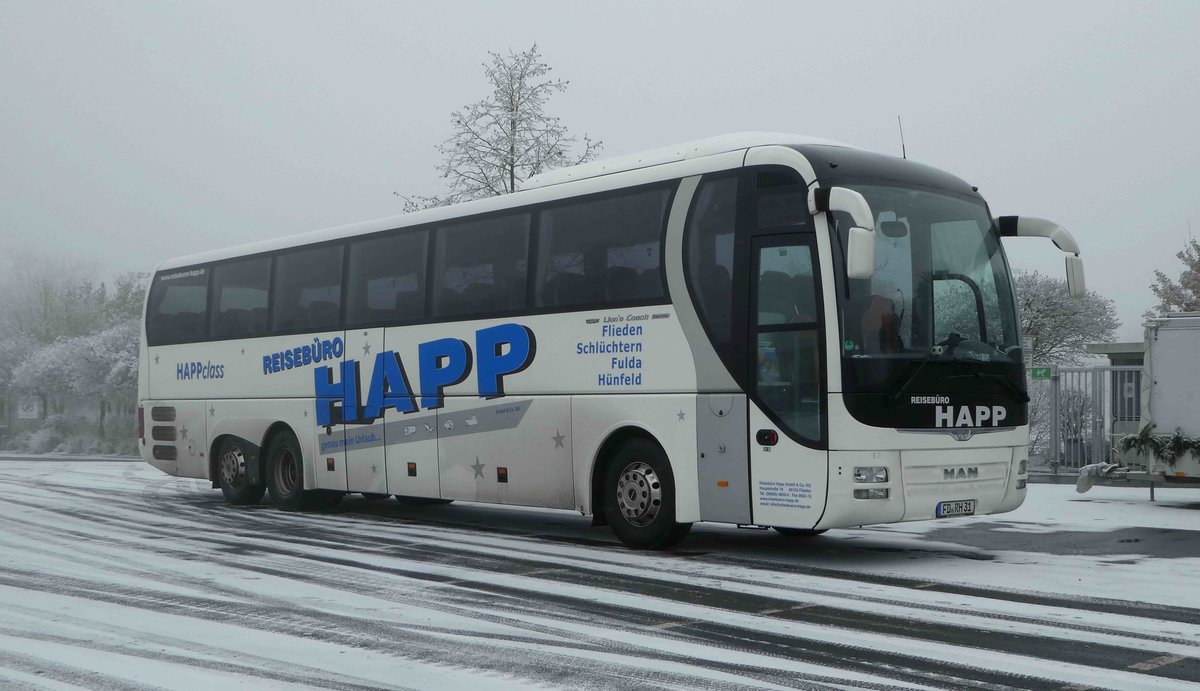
x: 231, y: 537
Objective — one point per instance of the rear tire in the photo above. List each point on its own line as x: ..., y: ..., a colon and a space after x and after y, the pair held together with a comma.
x: 285, y: 477
x: 422, y: 501
x: 639, y: 497
x: 799, y: 532
x: 235, y: 483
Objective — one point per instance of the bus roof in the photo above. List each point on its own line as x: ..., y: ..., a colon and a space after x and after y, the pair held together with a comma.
x: 594, y: 169
x: 671, y: 154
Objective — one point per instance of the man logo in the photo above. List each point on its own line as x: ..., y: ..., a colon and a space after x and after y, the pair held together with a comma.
x: 960, y: 473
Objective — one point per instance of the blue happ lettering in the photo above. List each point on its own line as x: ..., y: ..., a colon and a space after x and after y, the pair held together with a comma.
x: 179, y: 371
x: 329, y: 393
x: 434, y: 376
x: 351, y: 411
x: 491, y: 365
x: 389, y: 387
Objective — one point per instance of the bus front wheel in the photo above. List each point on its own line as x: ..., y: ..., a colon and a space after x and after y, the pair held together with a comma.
x: 285, y: 478
x: 235, y: 483
x: 639, y: 497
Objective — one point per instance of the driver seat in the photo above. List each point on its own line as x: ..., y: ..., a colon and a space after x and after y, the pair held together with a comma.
x: 873, y: 324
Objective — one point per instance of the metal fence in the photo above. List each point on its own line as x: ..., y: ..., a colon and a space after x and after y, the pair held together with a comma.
x: 1080, y: 414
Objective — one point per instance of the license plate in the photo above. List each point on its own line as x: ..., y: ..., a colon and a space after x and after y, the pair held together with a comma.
x: 963, y: 507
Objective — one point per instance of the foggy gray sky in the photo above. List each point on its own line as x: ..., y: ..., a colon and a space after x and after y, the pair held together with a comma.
x: 133, y: 132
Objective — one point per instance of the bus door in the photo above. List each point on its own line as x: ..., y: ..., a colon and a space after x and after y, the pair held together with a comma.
x: 410, y: 436
x: 366, y: 469
x: 788, y: 448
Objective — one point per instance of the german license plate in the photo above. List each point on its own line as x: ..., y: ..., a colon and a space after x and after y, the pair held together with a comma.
x: 962, y: 507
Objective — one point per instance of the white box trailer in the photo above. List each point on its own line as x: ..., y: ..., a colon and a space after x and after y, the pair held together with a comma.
x: 1171, y: 391
x: 1166, y: 441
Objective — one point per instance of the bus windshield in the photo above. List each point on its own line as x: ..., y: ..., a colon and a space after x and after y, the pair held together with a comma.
x: 941, y: 289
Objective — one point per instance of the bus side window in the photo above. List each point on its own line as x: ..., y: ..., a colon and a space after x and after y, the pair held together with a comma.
x: 709, y: 246
x: 387, y: 279
x: 177, y: 311
x: 603, y: 251
x: 240, y: 298
x: 307, y: 294
x: 481, y: 267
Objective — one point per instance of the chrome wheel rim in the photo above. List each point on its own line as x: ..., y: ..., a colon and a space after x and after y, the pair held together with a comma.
x: 287, y: 472
x: 233, y: 467
x: 639, y: 494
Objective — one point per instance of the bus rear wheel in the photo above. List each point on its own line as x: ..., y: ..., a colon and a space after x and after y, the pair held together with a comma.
x: 285, y: 478
x: 236, y: 484
x: 639, y: 497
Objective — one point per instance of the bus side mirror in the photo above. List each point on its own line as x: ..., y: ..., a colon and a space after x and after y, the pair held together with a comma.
x: 860, y: 247
x: 1075, y: 282
x: 1030, y: 227
x: 860, y: 253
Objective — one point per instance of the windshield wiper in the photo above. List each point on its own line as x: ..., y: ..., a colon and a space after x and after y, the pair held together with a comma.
x: 1013, y: 388
x: 894, y: 394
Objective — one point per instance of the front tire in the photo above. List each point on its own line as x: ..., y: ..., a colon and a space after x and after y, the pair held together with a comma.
x: 639, y: 497
x: 285, y: 478
x: 236, y: 484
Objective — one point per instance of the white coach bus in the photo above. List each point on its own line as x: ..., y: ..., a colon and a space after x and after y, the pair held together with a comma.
x: 755, y: 329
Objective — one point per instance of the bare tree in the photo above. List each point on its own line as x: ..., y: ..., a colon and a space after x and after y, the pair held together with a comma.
x: 1061, y: 326
x: 507, y: 137
x: 1184, y: 295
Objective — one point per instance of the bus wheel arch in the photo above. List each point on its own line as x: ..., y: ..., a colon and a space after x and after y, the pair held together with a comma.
x: 631, y: 461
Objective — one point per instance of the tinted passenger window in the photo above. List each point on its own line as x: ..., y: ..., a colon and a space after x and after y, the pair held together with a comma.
x: 481, y: 267
x: 710, y: 256
x: 178, y: 307
x: 602, y: 251
x: 387, y: 279
x: 240, y: 298
x: 308, y: 289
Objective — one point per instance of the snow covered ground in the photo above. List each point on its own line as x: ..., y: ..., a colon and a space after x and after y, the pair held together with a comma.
x: 113, y: 575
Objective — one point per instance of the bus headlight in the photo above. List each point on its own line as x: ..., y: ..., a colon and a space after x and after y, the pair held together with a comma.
x: 880, y: 493
x: 1022, y: 467
x: 1021, y: 483
x: 872, y: 474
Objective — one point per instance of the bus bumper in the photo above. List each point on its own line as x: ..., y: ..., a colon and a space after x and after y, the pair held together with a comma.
x: 923, y: 484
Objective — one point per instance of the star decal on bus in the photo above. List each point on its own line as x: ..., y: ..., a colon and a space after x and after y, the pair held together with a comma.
x: 558, y: 439
x: 478, y: 468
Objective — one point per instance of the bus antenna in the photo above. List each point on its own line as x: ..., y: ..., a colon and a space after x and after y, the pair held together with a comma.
x: 903, y: 150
